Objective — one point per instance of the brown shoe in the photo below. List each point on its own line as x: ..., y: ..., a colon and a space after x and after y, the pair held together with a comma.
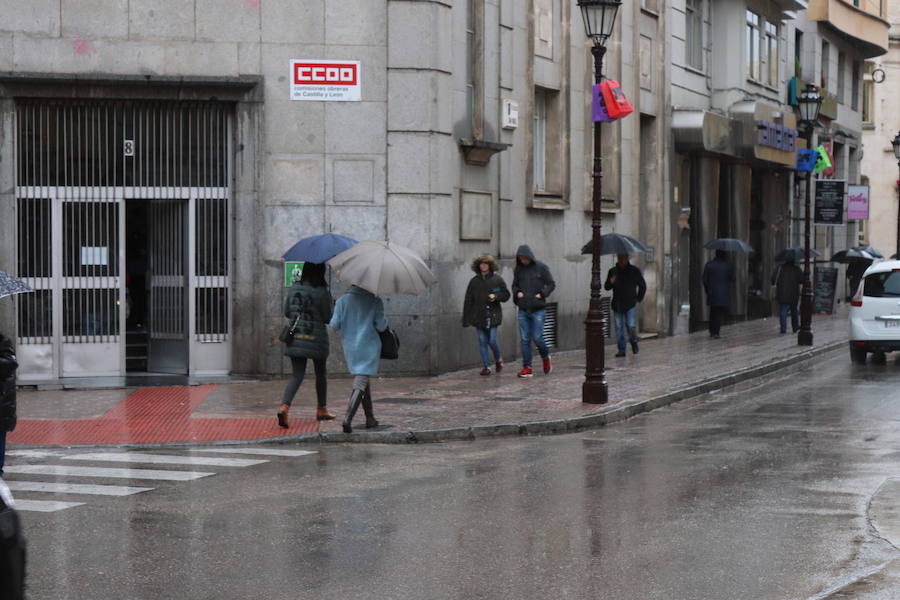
x: 322, y: 414
x: 282, y: 415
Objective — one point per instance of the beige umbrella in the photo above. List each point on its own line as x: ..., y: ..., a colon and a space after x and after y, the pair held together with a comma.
x: 382, y: 268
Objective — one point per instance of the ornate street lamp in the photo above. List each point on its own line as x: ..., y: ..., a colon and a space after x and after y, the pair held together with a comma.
x: 896, y: 144
x: 810, y: 101
x: 599, y: 19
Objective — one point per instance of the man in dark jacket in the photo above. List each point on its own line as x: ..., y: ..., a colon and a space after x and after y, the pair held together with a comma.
x: 629, y: 287
x: 718, y: 275
x: 532, y: 284
x: 8, y: 366
x: 787, y: 279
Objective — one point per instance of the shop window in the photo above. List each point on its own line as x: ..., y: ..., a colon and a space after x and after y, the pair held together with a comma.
x: 693, y: 36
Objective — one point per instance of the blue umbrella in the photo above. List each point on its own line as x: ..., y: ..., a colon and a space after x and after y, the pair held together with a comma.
x: 319, y: 248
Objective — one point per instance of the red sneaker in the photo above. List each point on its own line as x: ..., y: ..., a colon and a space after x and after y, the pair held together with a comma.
x: 499, y: 366
x: 526, y: 372
x: 485, y: 371
x: 547, y: 366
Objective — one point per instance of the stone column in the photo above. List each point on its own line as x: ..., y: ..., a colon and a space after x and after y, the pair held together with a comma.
x: 739, y: 227
x: 704, y: 221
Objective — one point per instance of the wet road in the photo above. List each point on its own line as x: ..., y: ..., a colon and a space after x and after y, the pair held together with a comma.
x: 786, y: 490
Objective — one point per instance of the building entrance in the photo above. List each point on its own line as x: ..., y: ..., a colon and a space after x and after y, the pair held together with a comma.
x: 123, y: 234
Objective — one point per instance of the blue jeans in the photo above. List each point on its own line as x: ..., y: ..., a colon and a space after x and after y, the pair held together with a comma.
x: 2, y: 450
x: 488, y: 338
x: 531, y: 329
x: 623, y: 320
x: 783, y: 313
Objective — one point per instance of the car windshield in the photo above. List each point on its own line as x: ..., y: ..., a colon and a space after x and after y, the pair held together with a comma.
x: 883, y: 284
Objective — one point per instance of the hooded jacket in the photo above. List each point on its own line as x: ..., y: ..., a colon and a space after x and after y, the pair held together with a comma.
x: 531, y: 280
x: 476, y: 304
x: 629, y: 288
x: 314, y: 307
x: 8, y: 366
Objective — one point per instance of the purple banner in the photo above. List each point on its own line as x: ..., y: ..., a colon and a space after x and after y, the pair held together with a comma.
x: 857, y: 202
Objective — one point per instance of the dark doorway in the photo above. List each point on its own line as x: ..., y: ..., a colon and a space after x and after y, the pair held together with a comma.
x: 136, y: 288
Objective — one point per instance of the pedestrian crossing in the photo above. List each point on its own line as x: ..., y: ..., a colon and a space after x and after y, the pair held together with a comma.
x: 74, y: 480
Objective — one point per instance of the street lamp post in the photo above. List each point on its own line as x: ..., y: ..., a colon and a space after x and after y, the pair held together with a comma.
x: 810, y: 101
x: 599, y: 18
x: 896, y: 143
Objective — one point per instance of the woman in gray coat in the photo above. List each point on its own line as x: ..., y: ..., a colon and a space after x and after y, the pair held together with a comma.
x: 309, y: 302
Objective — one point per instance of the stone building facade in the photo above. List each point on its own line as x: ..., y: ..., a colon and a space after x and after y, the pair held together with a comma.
x: 154, y: 167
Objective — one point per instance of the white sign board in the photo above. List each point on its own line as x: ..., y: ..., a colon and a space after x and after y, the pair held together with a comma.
x: 94, y: 255
x: 325, y: 80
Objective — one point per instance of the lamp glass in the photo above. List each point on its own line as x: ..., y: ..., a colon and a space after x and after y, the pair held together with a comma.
x: 599, y: 18
x: 810, y: 101
x: 896, y: 143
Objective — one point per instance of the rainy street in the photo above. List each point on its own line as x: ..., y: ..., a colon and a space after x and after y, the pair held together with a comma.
x: 784, y: 490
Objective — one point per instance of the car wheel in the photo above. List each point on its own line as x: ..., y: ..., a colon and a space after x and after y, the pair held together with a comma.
x: 858, y: 355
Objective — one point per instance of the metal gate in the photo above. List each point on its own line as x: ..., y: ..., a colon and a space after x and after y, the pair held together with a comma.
x: 123, y: 206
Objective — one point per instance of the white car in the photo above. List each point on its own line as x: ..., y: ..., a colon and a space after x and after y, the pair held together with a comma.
x: 875, y: 311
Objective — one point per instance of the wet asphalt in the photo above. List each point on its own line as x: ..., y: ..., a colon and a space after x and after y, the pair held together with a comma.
x: 783, y: 490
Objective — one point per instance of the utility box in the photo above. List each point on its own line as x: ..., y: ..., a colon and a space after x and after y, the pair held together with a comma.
x: 510, y: 114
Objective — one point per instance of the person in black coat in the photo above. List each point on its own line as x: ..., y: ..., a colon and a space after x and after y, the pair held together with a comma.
x: 482, y: 310
x: 629, y: 287
x: 532, y: 284
x: 718, y: 275
x: 8, y: 366
x: 787, y: 280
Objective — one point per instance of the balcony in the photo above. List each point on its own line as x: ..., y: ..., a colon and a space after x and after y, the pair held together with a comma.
x: 860, y: 22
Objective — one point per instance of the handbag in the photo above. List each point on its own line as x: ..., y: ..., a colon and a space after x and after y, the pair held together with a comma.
x: 287, y: 332
x: 390, y: 344
x: 773, y: 292
x: 617, y: 105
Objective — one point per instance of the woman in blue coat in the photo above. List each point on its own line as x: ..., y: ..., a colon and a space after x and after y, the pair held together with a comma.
x: 359, y: 316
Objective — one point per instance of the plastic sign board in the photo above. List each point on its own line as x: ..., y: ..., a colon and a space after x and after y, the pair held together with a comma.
x: 857, y: 202
x: 326, y: 80
x: 806, y: 160
x: 292, y: 271
x: 829, y: 201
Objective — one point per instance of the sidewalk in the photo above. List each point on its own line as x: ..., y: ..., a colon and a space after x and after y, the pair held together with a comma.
x: 459, y: 405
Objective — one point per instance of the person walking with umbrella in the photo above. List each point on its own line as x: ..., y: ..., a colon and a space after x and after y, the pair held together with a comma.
x: 629, y: 287
x: 718, y: 275
x: 532, y: 284
x: 482, y: 310
x: 8, y: 366
x: 309, y: 305
x: 787, y: 280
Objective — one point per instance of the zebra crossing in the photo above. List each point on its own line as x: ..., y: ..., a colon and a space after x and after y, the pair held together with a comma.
x: 71, y: 487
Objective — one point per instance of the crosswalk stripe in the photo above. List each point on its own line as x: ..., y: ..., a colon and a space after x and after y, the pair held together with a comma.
x: 260, y: 451
x: 164, y: 459
x: 32, y: 453
x: 44, y: 505
x: 107, y: 472
x: 75, y: 488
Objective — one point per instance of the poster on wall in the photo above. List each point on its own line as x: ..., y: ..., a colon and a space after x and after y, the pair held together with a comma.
x: 857, y: 202
x: 829, y: 202
x: 325, y: 80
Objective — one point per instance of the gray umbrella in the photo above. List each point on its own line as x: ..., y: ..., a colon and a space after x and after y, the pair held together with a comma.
x: 10, y: 284
x: 382, y: 268
x: 728, y: 245
x: 615, y: 243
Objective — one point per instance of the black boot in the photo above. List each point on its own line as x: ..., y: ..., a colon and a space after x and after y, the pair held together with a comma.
x: 356, y: 397
x: 368, y: 409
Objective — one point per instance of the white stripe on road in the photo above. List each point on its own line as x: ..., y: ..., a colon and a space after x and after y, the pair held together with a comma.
x: 44, y: 505
x: 165, y: 459
x: 75, y: 488
x: 32, y: 453
x: 106, y: 472
x: 260, y: 451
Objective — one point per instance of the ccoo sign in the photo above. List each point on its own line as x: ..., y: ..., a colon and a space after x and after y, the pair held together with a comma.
x: 325, y: 80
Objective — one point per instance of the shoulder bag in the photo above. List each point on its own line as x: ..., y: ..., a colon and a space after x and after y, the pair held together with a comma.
x: 287, y: 332
x: 390, y: 344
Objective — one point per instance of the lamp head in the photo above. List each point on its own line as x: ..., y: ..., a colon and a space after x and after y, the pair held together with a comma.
x: 599, y: 18
x: 810, y: 101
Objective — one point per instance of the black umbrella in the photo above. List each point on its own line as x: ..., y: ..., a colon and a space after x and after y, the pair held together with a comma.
x: 795, y: 254
x: 728, y: 245
x: 894, y: 256
x: 615, y: 243
x: 853, y: 255
x: 871, y: 251
x: 10, y: 284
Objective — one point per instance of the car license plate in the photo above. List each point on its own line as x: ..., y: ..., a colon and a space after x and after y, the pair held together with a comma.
x: 889, y: 324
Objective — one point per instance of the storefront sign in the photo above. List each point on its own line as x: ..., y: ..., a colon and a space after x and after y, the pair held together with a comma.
x: 292, y: 271
x: 325, y: 80
x: 857, y: 202
x: 830, y: 201
x: 774, y: 135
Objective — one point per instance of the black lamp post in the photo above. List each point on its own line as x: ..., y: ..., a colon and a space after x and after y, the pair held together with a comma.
x: 599, y: 19
x: 896, y: 143
x: 810, y: 101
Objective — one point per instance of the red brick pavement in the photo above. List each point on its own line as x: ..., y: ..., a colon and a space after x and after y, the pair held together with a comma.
x: 246, y: 411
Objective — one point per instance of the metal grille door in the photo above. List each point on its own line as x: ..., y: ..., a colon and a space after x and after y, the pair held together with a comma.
x: 82, y: 167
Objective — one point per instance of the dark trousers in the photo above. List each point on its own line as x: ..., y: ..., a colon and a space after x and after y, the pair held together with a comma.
x: 716, y: 318
x: 298, y: 365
